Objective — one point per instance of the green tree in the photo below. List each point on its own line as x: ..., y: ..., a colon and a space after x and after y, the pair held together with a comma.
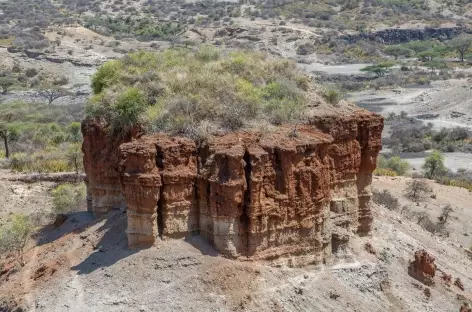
x: 395, y: 163
x: 435, y: 65
x: 8, y: 134
x: 6, y: 83
x: 398, y: 50
x: 419, y: 46
x: 74, y: 132
x: 53, y: 93
x: 462, y: 45
x: 14, y: 235
x: 74, y: 156
x: 378, y: 69
x: 434, y: 165
x: 427, y: 56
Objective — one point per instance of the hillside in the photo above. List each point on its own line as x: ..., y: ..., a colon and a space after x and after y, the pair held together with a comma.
x: 86, y: 263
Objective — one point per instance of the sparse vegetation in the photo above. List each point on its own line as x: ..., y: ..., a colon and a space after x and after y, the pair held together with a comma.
x: 52, y: 94
x: 411, y: 135
x: 8, y: 133
x: 39, y: 136
x: 461, y: 178
x: 417, y: 190
x: 378, y: 69
x: 434, y: 165
x: 193, y: 93
x: 386, y: 199
x: 68, y: 198
x: 6, y: 83
x: 462, y: 45
x: 14, y: 234
x: 392, y: 166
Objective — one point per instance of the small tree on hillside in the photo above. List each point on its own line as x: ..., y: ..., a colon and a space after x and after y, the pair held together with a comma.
x: 8, y: 134
x: 6, y: 83
x: 74, y: 156
x: 445, y: 214
x: 14, y: 235
x: 378, y: 69
x: 434, y: 165
x: 421, y: 217
x: 462, y: 45
x: 53, y: 94
x: 417, y: 189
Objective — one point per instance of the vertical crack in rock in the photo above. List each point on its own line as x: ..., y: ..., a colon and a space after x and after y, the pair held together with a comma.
x: 160, y: 222
x: 279, y: 175
x: 244, y: 218
x: 159, y: 208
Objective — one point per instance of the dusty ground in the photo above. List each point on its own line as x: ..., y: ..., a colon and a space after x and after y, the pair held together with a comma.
x: 450, y: 102
x: 86, y: 266
x: 16, y: 196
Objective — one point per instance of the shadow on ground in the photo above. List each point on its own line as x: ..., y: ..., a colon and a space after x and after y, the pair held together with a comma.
x: 112, y: 247
x: 76, y: 222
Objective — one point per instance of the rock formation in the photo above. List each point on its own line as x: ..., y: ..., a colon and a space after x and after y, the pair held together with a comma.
x: 403, y: 35
x: 251, y: 195
x: 423, y: 267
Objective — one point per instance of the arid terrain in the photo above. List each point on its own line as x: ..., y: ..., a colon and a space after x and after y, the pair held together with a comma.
x: 86, y: 263
x: 254, y: 89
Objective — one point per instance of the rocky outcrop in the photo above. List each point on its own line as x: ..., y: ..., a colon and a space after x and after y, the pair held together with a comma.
x: 251, y: 195
x: 101, y: 161
x: 423, y: 267
x: 401, y: 35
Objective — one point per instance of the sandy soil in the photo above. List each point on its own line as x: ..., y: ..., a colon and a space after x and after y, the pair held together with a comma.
x: 86, y: 266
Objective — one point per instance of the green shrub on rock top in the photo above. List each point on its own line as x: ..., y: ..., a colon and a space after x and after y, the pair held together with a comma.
x: 180, y: 91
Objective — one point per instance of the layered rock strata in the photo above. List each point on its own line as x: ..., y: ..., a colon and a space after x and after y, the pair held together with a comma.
x: 261, y: 196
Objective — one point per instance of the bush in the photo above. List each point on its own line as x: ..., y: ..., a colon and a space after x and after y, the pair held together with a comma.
x: 417, y: 189
x: 395, y: 164
x: 68, y: 198
x: 386, y: 199
x: 332, y: 96
x: 14, y: 234
x: 178, y: 91
x: 31, y: 72
x: 434, y: 165
x: 461, y: 178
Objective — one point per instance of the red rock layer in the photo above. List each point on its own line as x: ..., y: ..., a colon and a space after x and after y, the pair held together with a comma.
x: 250, y: 195
x: 101, y: 161
x: 352, y: 158
x: 423, y: 267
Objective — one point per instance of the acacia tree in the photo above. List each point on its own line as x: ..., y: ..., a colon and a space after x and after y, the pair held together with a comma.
x: 462, y: 45
x: 378, y: 69
x: 435, y: 64
x: 74, y: 156
x: 8, y: 134
x: 53, y: 94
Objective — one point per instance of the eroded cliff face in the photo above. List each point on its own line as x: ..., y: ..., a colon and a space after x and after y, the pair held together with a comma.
x: 251, y: 195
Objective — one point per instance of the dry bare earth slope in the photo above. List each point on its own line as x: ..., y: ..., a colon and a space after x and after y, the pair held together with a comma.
x: 86, y: 266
